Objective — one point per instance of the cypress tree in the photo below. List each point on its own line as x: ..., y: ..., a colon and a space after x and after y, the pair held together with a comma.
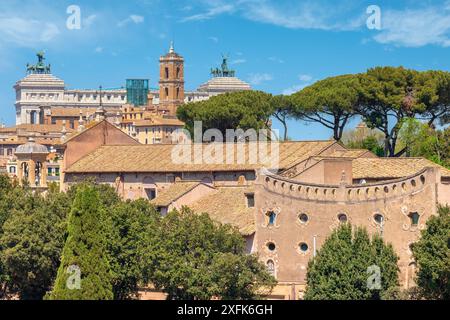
x: 84, y: 273
x: 346, y: 262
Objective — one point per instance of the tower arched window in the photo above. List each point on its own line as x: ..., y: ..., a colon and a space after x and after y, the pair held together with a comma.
x: 167, y: 93
x: 271, y: 267
x: 167, y: 72
x: 414, y: 217
x: 272, y: 216
x: 178, y: 72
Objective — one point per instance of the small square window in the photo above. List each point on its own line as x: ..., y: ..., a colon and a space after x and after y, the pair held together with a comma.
x: 250, y: 200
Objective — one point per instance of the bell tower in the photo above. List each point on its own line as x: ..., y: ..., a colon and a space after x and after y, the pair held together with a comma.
x: 171, y: 82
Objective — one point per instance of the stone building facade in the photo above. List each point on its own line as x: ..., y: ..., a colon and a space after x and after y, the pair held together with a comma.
x: 294, y: 217
x: 283, y: 213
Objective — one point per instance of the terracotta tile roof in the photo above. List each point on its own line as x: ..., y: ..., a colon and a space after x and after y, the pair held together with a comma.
x: 350, y: 153
x: 40, y: 128
x: 158, y: 121
x: 71, y: 112
x: 379, y: 168
x: 228, y: 206
x: 172, y: 193
x: 8, y: 130
x: 77, y: 133
x: 158, y: 158
x: 23, y: 140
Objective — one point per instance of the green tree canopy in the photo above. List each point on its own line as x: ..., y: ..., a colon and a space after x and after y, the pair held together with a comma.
x: 421, y: 140
x: 239, y: 110
x: 330, y: 102
x: 193, y: 257
x: 434, y: 95
x: 133, y: 225
x: 31, y: 244
x: 344, y: 264
x: 85, y: 254
x: 389, y: 96
x: 432, y: 254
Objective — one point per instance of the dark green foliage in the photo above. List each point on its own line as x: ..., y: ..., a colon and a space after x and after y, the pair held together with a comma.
x: 20, y: 202
x: 193, y: 257
x: 32, y: 242
x: 432, y: 253
x: 340, y: 269
x: 369, y: 143
x: 421, y: 140
x: 238, y: 110
x: 85, y: 248
x: 330, y: 102
x: 132, y: 225
x: 108, y: 197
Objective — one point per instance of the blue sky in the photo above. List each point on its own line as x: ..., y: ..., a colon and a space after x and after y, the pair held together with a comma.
x: 278, y: 46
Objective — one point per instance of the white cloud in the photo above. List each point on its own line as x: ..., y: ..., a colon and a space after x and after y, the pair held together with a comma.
x: 304, y: 77
x: 89, y: 20
x: 131, y: 19
x: 415, y: 27
x: 27, y: 32
x: 238, y: 61
x: 293, y: 89
x: 305, y: 80
x: 214, y: 39
x: 137, y: 19
x: 292, y: 14
x: 99, y: 50
x: 275, y: 59
x: 420, y: 26
x: 258, y: 78
x: 213, y: 11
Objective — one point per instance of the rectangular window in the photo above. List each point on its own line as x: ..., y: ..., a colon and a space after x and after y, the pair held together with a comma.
x: 151, y: 193
x: 250, y: 200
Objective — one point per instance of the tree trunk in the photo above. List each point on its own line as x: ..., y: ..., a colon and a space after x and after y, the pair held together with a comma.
x: 285, y: 130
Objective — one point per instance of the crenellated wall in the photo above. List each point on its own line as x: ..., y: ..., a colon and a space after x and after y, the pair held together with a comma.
x: 306, y: 214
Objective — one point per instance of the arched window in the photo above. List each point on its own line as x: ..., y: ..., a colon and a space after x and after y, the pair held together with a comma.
x: 272, y: 218
x: 414, y: 217
x: 167, y: 72
x: 178, y: 72
x: 167, y: 93
x: 271, y: 267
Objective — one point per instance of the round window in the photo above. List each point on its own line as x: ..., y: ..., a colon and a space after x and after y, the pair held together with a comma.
x: 303, y: 247
x: 378, y: 218
x: 303, y: 218
x: 271, y: 246
x: 342, y: 217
